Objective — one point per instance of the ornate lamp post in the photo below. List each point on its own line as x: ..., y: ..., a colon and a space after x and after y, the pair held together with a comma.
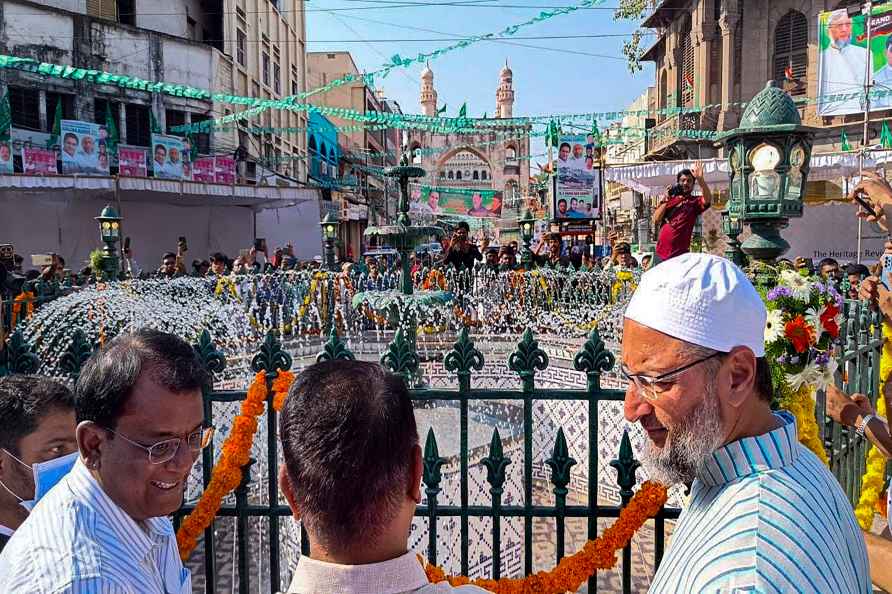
x: 732, y: 227
x: 110, y: 234
x: 330, y: 226
x: 527, y: 227
x: 769, y: 157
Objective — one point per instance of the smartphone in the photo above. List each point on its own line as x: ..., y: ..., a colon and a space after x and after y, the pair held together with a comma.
x: 126, y: 244
x: 182, y: 242
x: 41, y: 260
x: 867, y: 206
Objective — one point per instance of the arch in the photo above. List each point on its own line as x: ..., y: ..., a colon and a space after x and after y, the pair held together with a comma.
x: 469, y: 149
x: 458, y: 175
x: 510, y: 153
x: 791, y: 50
x: 483, y: 175
x: 313, y: 149
x: 476, y: 175
x: 451, y: 174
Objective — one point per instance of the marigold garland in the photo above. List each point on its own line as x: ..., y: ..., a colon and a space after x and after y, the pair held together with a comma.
x: 874, y: 478
x: 235, y: 453
x: 26, y: 297
x: 574, y: 570
x: 801, y: 405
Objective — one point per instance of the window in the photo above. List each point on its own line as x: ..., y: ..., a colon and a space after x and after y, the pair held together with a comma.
x: 265, y: 68
x: 53, y: 100
x: 451, y: 175
x: 791, y: 50
x: 458, y: 175
x: 295, y: 87
x: 138, y: 125
x: 687, y: 82
x: 330, y: 56
x: 241, y: 45
x: 202, y: 139
x: 127, y: 12
x: 99, y: 108
x: 476, y: 175
x: 173, y: 118
x: 483, y: 175
x: 511, y: 154
x: 664, y: 95
x: 277, y: 78
x: 25, y: 107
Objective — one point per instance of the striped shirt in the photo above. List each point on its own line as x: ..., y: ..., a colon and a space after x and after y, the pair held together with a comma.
x: 77, y: 541
x: 765, y: 515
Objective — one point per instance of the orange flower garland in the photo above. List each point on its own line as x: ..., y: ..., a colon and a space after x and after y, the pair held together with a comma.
x: 227, y: 472
x: 572, y: 571
x: 26, y: 297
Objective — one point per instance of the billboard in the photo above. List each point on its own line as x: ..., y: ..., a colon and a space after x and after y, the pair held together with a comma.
x: 84, y: 151
x: 38, y: 161
x: 844, y: 57
x: 167, y: 156
x: 429, y: 200
x: 203, y: 170
x: 5, y: 157
x: 224, y: 170
x: 578, y: 181
x: 132, y: 161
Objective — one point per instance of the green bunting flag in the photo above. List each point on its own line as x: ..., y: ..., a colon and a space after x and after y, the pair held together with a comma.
x: 442, y: 110
x: 193, y: 147
x: 886, y: 136
x: 844, y: 142
x: 153, y: 123
x: 5, y: 118
x: 596, y: 134
x: 111, y: 129
x: 57, y: 126
x: 463, y: 111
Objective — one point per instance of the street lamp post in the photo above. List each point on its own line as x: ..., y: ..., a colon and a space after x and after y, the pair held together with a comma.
x: 527, y: 226
x: 110, y: 234
x: 330, y: 226
x: 733, y: 227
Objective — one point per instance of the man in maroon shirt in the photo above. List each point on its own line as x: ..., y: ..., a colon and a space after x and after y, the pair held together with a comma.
x: 677, y: 214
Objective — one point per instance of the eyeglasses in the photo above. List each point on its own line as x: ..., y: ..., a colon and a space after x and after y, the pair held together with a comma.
x: 165, y: 450
x: 653, y: 387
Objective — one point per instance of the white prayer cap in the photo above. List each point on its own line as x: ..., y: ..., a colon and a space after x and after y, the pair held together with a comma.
x: 701, y: 299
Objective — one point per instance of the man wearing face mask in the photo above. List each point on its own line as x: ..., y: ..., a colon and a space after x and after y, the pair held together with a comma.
x: 104, y: 528
x: 36, y: 444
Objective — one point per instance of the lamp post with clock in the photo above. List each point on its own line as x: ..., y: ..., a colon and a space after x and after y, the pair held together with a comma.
x: 769, y: 156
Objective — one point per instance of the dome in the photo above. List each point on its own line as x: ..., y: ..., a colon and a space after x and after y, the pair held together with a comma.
x: 771, y: 107
x: 427, y: 73
x: 506, y: 71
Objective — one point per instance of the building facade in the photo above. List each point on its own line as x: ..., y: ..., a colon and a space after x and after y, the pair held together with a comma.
x: 720, y: 53
x: 488, y: 160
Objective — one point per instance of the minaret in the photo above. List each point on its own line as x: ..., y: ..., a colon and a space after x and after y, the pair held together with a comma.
x: 428, y: 92
x: 505, y: 94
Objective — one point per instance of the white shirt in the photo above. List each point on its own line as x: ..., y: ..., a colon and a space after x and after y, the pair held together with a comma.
x: 77, y: 541
x: 842, y: 72
x: 882, y: 81
x: 765, y: 515
x: 403, y: 575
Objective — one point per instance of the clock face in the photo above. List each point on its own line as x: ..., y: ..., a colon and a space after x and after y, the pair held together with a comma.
x: 765, y: 157
x: 797, y: 157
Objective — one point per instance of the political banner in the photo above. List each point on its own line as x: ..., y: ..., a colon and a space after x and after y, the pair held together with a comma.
x: 38, y: 161
x: 578, y: 181
x: 84, y: 151
x: 203, y: 170
x: 167, y: 156
x: 844, y: 55
x: 132, y: 161
x: 224, y: 170
x: 6, y: 157
x: 482, y: 203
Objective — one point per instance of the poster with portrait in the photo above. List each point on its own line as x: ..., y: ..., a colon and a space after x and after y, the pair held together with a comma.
x: 432, y: 200
x: 844, y: 56
x: 132, y: 161
x: 167, y: 156
x: 38, y: 161
x: 6, y: 157
x: 224, y: 170
x: 577, y: 192
x: 203, y: 170
x: 83, y: 151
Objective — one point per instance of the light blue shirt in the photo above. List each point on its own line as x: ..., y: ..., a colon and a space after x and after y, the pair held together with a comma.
x: 77, y: 541
x: 765, y: 515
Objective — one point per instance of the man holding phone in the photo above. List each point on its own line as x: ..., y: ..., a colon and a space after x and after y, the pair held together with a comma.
x: 677, y: 214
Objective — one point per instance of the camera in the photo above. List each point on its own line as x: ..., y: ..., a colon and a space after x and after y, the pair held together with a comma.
x: 676, y: 190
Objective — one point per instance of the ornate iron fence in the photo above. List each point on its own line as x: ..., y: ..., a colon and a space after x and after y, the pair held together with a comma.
x: 859, y: 357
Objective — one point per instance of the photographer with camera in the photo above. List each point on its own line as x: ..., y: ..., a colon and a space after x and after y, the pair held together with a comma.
x: 462, y: 253
x: 677, y: 214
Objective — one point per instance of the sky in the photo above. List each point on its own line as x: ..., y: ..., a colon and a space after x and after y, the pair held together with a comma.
x: 572, y: 75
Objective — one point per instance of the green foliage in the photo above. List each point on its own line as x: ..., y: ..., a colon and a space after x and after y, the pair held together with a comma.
x: 96, y: 260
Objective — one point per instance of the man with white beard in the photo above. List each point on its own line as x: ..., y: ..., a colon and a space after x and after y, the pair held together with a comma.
x: 843, y: 68
x: 764, y: 515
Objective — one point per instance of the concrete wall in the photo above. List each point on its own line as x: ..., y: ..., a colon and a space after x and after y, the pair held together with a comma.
x: 170, y: 16
x: 39, y: 33
x: 296, y: 224
x: 79, y: 6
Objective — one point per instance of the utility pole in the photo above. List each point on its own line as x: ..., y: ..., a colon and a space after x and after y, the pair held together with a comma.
x: 866, y: 9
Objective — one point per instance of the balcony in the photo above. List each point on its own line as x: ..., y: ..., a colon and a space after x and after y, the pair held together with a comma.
x: 667, y: 136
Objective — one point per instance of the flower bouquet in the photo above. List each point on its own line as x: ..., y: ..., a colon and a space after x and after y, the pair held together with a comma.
x: 804, y: 317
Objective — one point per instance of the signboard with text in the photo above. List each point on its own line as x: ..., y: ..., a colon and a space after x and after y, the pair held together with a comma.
x: 38, y: 161
x: 132, y: 161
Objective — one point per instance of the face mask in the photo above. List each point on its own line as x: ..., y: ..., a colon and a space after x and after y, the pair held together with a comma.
x: 46, y: 476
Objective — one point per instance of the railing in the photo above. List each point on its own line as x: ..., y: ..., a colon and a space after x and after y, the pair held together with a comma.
x: 671, y: 129
x: 858, y: 355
